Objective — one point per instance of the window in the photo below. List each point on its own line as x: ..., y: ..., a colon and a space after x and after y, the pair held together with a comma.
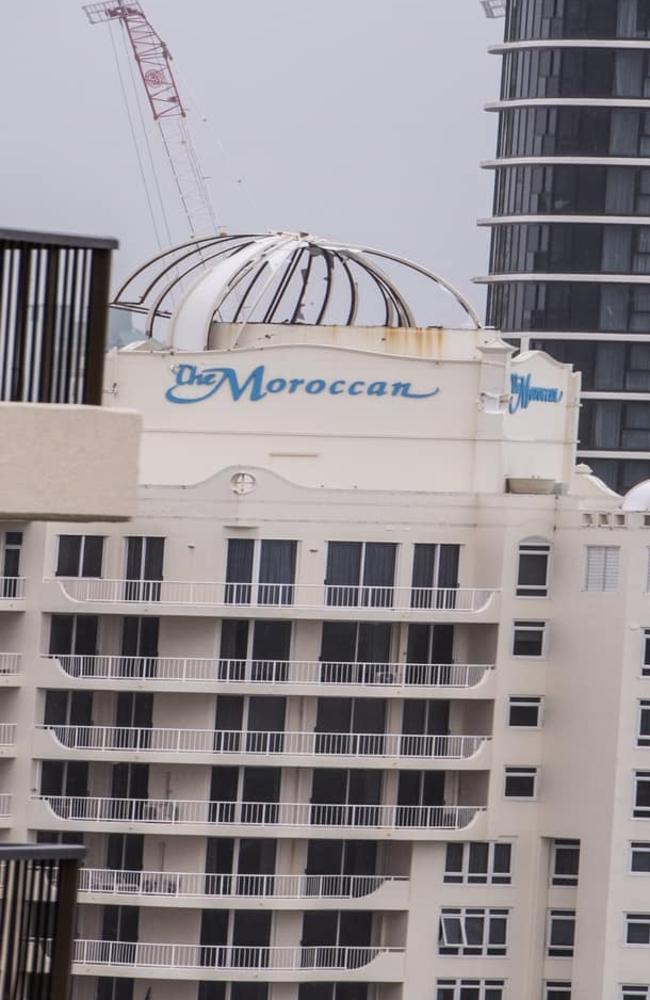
x: 635, y: 992
x: 642, y: 795
x: 524, y: 712
x: 557, y: 991
x: 478, y: 863
x: 470, y: 989
x: 360, y: 573
x: 637, y: 928
x: 473, y: 931
x: 528, y: 639
x: 144, y: 568
x: 13, y: 541
x: 435, y: 576
x: 643, y: 731
x: 80, y: 555
x: 521, y: 783
x: 561, y: 933
x: 645, y: 666
x: 269, y: 563
x: 601, y: 569
x: 565, y: 862
x: 640, y: 858
x: 532, y: 571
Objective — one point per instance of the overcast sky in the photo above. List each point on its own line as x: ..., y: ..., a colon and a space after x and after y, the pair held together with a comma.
x: 356, y: 119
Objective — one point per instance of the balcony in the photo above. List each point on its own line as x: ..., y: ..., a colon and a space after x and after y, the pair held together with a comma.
x: 292, y: 677
x: 275, y: 599
x: 10, y: 669
x: 191, y: 961
x: 105, y: 886
x: 302, y: 749
x: 249, y: 819
x: 7, y: 739
x: 5, y: 811
x: 12, y: 593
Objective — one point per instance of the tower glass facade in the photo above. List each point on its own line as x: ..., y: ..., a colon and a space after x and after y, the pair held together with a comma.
x: 570, y: 253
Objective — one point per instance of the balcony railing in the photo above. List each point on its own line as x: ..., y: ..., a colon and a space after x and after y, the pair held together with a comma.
x: 198, y: 884
x: 183, y: 812
x: 191, y: 956
x: 310, y: 672
x: 263, y: 743
x: 9, y: 664
x: 300, y: 596
x: 12, y: 588
x: 7, y: 734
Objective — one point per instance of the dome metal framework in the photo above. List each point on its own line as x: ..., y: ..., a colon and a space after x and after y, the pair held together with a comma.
x: 290, y: 278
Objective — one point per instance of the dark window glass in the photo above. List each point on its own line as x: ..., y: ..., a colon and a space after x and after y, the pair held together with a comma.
x: 524, y: 711
x: 528, y: 638
x: 520, y: 782
x: 640, y: 858
x: 566, y: 862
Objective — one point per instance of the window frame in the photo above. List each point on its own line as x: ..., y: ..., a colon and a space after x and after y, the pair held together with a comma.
x: 521, y: 625
x: 83, y: 544
x: 642, y: 740
x: 640, y: 812
x: 555, y: 985
x: 645, y: 653
x: 528, y: 701
x: 557, y: 879
x: 521, y: 770
x: 606, y: 549
x: 630, y: 991
x: 640, y: 847
x: 565, y: 951
x: 533, y: 547
x: 465, y: 877
x: 457, y: 985
x: 463, y: 948
x: 640, y: 919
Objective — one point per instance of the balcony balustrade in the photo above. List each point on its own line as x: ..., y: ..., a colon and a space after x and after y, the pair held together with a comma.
x: 323, y: 598
x: 151, y: 741
x: 199, y: 885
x: 5, y: 806
x: 9, y: 666
x: 183, y: 813
x: 272, y: 672
x: 12, y: 588
x: 143, y: 955
x: 7, y: 734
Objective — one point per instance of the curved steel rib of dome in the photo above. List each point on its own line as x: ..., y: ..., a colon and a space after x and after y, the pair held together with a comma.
x: 289, y: 278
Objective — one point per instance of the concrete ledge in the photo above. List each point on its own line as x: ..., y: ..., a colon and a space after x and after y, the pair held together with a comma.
x: 59, y: 463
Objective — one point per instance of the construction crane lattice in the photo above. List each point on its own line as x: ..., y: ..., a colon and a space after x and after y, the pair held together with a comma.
x: 153, y: 60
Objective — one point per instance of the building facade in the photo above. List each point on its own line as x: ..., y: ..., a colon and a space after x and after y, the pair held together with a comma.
x: 355, y: 707
x: 570, y: 254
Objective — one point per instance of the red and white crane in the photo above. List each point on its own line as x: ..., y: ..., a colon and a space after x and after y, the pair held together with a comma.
x: 153, y: 60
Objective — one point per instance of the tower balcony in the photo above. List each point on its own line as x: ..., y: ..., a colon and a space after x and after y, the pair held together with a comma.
x: 298, y: 677
x: 106, y: 886
x: 289, y: 749
x: 273, y: 600
x: 95, y: 814
x: 237, y: 963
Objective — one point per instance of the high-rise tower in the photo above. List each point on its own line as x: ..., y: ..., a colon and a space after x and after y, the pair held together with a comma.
x: 570, y: 255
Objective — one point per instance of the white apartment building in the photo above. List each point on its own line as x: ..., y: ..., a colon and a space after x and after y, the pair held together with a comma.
x: 357, y: 707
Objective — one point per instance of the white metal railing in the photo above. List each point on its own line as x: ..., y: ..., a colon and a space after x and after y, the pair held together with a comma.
x: 199, y: 884
x: 298, y: 595
x: 316, y: 672
x: 259, y: 742
x: 7, y: 734
x: 5, y: 805
x: 193, y: 956
x: 9, y: 664
x: 12, y: 588
x: 181, y: 812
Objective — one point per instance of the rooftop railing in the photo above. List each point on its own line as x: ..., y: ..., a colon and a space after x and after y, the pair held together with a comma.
x: 37, y: 909
x: 53, y: 311
x: 304, y: 672
x: 190, y: 956
x: 261, y: 743
x: 301, y: 596
x: 183, y: 812
x: 107, y: 881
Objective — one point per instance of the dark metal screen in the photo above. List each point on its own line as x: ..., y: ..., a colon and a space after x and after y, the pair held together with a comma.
x: 53, y: 313
x: 38, y: 886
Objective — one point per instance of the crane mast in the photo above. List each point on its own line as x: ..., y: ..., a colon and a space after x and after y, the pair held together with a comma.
x: 153, y: 60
